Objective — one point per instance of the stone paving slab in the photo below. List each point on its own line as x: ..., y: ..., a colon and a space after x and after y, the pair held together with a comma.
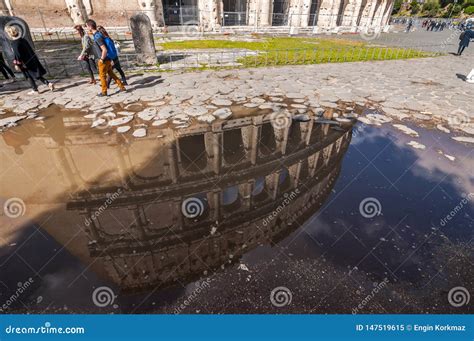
x: 418, y: 89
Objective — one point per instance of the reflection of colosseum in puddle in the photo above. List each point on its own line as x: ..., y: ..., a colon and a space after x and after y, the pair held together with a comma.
x: 255, y: 184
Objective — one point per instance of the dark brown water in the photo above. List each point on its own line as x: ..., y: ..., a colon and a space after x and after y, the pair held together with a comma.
x: 212, y: 219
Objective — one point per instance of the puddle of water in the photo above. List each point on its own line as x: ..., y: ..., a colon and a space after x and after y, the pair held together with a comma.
x: 153, y: 219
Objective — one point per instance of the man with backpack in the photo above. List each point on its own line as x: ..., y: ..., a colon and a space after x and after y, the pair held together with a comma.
x: 107, y: 55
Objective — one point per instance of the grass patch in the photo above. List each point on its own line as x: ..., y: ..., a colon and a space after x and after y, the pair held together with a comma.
x: 264, y: 44
x: 300, y: 51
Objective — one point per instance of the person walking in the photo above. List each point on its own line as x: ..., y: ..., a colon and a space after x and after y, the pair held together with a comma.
x: 26, y: 60
x: 87, y: 57
x: 410, y: 24
x: 5, y: 70
x: 464, y: 39
x: 105, y: 61
x: 116, y: 61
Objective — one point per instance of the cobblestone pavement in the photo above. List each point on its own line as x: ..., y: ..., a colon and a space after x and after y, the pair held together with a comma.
x: 430, y: 89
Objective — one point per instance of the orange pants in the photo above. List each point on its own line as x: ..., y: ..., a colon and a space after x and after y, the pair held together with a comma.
x: 105, y: 68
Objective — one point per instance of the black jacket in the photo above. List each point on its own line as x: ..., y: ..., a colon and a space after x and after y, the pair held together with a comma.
x: 26, y: 57
x: 466, y: 37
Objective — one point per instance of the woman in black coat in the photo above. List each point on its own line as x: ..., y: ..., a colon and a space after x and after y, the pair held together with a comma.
x: 5, y: 70
x: 26, y: 61
x: 465, y: 38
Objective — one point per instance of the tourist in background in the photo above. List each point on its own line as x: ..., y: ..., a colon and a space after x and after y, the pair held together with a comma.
x: 87, y: 57
x: 105, y: 62
x: 410, y: 24
x: 5, y: 69
x: 115, y: 62
x: 26, y: 61
x: 464, y: 39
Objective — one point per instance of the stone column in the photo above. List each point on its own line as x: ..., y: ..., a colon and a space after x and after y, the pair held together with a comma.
x: 210, y: 14
x: 328, y: 11
x: 313, y: 164
x: 281, y: 138
x: 378, y: 15
x: 77, y: 11
x: 387, y: 14
x: 264, y: 12
x: 245, y: 191
x: 368, y: 13
x: 294, y: 173
x: 306, y: 130
x: 154, y: 11
x: 214, y: 200
x: 252, y: 8
x: 172, y: 164
x: 250, y: 136
x: 6, y: 7
x: 351, y: 14
x: 299, y: 13
x: 327, y: 154
x: 142, y: 34
x: 88, y: 7
x: 213, y: 142
x: 272, y: 184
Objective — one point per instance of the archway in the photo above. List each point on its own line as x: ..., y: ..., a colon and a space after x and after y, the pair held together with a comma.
x: 313, y: 13
x: 280, y: 13
x: 235, y: 12
x: 180, y: 12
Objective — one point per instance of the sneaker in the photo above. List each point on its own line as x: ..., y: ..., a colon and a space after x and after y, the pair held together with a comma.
x: 124, y: 82
x: 51, y: 86
x: 33, y: 92
x: 100, y: 94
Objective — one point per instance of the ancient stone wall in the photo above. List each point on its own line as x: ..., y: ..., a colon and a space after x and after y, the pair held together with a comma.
x: 330, y: 14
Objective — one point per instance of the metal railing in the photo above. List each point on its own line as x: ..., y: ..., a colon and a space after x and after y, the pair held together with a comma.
x: 62, y: 67
x: 235, y: 19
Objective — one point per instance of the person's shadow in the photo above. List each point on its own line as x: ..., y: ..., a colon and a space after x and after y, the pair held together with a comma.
x: 463, y: 77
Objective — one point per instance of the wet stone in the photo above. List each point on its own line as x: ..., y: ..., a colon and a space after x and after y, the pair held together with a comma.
x: 223, y: 113
x: 221, y: 102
